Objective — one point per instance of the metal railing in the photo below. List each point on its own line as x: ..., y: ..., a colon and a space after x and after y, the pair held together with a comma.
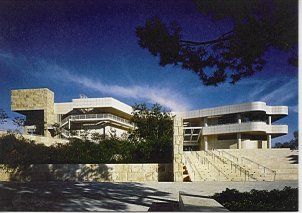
x: 95, y: 116
x: 242, y: 122
x: 232, y: 157
x: 215, y: 157
x: 204, y: 160
x: 191, y: 165
x: 238, y: 168
x: 265, y: 169
x: 190, y: 170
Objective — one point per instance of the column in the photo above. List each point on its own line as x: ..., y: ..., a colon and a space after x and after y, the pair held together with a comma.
x: 205, y: 138
x: 178, y: 138
x: 269, y: 141
x: 239, y: 140
x: 239, y: 118
x: 269, y: 120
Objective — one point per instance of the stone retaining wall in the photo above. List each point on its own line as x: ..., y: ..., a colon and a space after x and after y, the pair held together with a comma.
x: 90, y: 172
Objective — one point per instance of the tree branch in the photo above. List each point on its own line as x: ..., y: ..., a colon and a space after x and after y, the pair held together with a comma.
x: 221, y: 38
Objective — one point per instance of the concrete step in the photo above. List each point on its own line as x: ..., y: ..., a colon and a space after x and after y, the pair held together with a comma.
x: 198, y: 203
x: 285, y: 176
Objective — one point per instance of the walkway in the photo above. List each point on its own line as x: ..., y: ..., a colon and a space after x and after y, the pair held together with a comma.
x: 69, y: 196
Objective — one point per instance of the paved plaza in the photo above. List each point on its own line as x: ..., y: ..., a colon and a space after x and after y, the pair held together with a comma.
x: 92, y: 196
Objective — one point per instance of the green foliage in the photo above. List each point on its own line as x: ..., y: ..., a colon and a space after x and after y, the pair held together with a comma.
x: 150, y: 142
x: 20, y: 152
x: 292, y: 144
x: 255, y: 26
x: 153, y: 135
x: 259, y: 200
x: 3, y: 116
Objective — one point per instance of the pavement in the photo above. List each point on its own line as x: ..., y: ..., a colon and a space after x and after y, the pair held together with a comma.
x: 113, y: 196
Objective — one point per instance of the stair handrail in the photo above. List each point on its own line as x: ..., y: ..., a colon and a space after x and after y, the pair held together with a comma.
x: 214, y: 156
x: 187, y: 161
x: 197, y: 168
x: 237, y: 166
x: 191, y: 165
x: 230, y: 155
x: 210, y: 163
x: 259, y: 165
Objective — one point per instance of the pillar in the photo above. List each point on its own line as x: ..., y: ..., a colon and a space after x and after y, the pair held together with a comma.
x: 269, y: 120
x: 178, y: 138
x: 205, y: 121
x: 239, y: 118
x: 239, y: 140
x: 269, y: 141
x: 205, y: 138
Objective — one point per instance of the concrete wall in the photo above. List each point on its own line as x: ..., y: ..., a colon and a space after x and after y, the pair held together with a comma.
x: 253, y: 144
x: 91, y: 172
x: 225, y: 144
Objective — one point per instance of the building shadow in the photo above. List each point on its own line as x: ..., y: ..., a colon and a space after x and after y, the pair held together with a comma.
x: 78, y: 196
x: 294, y: 159
x: 58, y: 172
x: 73, y: 187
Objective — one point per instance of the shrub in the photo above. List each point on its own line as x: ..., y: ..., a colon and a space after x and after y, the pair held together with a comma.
x: 259, y: 200
x: 21, y: 152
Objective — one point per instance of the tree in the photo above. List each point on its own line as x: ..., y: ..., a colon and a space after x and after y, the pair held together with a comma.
x: 292, y: 144
x: 56, y: 129
x: 256, y: 26
x: 3, y: 116
x: 153, y: 133
x: 154, y: 123
x: 19, y: 122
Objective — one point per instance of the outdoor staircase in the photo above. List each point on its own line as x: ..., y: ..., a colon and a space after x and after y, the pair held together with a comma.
x: 208, y: 166
x: 214, y: 166
x: 283, y: 162
x: 255, y: 171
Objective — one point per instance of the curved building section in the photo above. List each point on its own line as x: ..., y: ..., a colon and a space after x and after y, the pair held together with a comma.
x: 276, y: 111
x: 260, y: 127
x: 240, y: 126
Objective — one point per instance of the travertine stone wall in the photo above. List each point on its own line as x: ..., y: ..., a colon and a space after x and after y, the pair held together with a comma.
x: 178, y: 149
x: 34, y: 99
x: 91, y: 172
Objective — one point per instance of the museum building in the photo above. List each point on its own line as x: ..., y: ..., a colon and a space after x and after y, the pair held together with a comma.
x: 240, y: 126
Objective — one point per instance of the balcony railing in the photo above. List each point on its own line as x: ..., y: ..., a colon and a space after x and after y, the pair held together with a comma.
x: 247, y: 126
x: 96, y: 117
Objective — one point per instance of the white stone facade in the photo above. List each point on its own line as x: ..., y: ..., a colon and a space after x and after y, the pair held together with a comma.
x: 79, y: 118
x: 240, y: 126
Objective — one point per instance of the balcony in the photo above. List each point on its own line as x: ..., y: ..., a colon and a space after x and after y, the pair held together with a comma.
x: 95, y: 117
x: 245, y: 127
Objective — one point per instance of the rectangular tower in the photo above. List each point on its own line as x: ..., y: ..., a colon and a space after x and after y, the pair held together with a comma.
x: 38, y: 107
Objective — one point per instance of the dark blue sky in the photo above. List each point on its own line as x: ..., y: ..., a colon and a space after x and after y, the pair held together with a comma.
x: 90, y: 47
